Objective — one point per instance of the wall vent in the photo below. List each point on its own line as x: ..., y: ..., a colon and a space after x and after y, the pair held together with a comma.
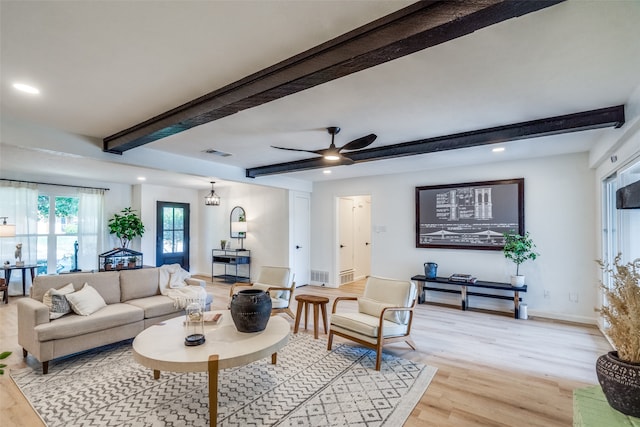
x: 216, y: 152
x: 318, y: 276
x: 346, y: 276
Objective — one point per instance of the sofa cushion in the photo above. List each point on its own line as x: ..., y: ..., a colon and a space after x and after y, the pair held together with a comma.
x: 86, y: 301
x: 73, y: 325
x: 366, y: 325
x: 139, y: 283
x: 57, y: 302
x: 106, y: 283
x: 157, y: 305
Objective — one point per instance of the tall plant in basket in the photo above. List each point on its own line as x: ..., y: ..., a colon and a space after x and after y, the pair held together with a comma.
x: 619, y: 371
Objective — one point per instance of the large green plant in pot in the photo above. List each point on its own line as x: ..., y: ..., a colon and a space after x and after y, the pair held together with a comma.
x: 519, y: 249
x: 126, y: 225
x: 619, y: 371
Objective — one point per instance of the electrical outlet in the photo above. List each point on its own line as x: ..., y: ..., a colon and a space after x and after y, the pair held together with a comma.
x: 573, y: 296
x: 547, y: 293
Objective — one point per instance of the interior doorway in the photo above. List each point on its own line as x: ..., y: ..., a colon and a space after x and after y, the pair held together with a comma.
x: 354, y: 238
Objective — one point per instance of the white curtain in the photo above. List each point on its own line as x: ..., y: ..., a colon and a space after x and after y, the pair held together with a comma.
x: 19, y: 203
x: 91, y: 227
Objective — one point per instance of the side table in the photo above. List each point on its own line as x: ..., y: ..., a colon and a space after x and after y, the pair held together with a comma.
x: 24, y: 268
x: 304, y: 301
x: 5, y: 291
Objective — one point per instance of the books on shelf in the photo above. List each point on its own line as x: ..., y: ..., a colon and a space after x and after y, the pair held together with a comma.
x: 463, y: 278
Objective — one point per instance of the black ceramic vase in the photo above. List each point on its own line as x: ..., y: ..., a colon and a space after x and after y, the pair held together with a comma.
x: 250, y: 310
x: 620, y: 382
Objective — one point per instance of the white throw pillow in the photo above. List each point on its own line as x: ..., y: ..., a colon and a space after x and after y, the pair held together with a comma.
x: 86, y: 301
x: 374, y: 308
x: 57, y: 302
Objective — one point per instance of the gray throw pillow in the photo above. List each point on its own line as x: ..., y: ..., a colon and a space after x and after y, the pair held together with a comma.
x: 59, y: 306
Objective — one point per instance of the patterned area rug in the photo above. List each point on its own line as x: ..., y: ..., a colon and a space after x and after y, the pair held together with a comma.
x: 309, y: 386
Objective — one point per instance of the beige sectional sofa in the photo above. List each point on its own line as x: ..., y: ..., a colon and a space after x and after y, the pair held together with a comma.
x: 133, y: 303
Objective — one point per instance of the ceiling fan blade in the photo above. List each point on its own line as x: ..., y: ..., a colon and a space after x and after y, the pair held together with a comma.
x: 360, y: 143
x: 344, y: 160
x: 298, y: 149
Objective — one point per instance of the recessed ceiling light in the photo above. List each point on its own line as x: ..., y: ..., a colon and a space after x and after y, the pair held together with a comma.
x: 498, y: 150
x: 326, y: 172
x: 142, y: 178
x: 26, y: 88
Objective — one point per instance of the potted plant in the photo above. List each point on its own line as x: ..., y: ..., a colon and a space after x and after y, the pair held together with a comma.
x: 3, y: 355
x: 223, y: 244
x: 619, y: 371
x: 108, y: 264
x: 126, y: 226
x: 518, y: 249
x: 132, y: 262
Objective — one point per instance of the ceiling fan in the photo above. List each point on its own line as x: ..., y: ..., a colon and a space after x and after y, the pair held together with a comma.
x: 334, y: 153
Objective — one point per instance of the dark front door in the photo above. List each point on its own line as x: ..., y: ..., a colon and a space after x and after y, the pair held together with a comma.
x: 172, y: 231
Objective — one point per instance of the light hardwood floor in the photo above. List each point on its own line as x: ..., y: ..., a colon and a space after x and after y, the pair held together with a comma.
x: 493, y: 370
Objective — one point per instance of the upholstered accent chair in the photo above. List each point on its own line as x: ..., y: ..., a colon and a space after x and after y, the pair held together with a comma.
x: 279, y: 282
x: 384, y: 315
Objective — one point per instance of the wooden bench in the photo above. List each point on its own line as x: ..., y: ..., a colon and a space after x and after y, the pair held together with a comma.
x: 465, y: 293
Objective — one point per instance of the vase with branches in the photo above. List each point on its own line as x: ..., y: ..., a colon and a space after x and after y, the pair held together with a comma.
x: 619, y: 371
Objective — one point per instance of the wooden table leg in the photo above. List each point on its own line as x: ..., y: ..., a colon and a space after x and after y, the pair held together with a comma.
x: 298, y: 314
x: 306, y: 315
x: 274, y: 358
x: 156, y: 374
x: 324, y: 316
x: 213, y: 389
x: 315, y: 321
x: 463, y: 297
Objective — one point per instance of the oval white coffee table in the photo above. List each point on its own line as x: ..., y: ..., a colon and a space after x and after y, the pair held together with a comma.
x: 161, y: 348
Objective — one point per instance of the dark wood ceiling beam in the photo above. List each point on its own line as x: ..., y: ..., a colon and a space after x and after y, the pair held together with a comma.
x: 409, y: 30
x: 586, y: 120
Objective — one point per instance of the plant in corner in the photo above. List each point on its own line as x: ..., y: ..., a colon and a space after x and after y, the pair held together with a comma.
x: 518, y: 249
x: 126, y: 225
x: 619, y: 371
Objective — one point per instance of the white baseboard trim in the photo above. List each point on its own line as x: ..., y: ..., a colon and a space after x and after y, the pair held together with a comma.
x: 563, y: 317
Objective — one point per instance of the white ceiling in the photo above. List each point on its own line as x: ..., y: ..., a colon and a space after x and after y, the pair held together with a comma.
x: 104, y: 66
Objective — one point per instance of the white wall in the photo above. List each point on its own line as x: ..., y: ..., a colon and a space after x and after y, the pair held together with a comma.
x: 267, y: 212
x: 267, y: 217
x: 559, y: 213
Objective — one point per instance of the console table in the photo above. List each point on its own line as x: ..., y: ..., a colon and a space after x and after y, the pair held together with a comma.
x: 231, y: 259
x: 465, y: 293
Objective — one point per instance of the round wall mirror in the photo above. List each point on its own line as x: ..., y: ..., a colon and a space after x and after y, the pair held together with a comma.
x: 238, y: 223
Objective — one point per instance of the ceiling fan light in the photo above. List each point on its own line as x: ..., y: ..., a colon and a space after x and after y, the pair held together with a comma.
x: 332, y: 157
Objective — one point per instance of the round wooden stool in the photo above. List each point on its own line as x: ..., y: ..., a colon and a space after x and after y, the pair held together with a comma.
x: 304, y: 301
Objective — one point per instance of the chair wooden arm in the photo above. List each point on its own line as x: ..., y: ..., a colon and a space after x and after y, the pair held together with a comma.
x: 384, y: 310
x: 335, y: 303
x: 238, y: 285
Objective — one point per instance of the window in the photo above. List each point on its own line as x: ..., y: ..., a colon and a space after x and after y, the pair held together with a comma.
x: 620, y: 226
x: 57, y: 232
x: 49, y: 220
